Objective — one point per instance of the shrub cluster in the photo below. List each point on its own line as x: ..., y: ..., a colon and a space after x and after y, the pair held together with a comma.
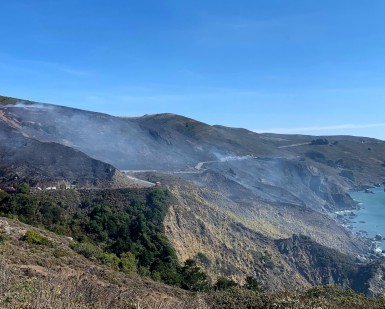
x: 319, y: 141
x: 35, y: 238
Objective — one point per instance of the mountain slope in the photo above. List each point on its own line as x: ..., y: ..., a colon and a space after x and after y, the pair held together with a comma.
x: 263, y: 188
x: 52, y: 275
x: 49, y: 164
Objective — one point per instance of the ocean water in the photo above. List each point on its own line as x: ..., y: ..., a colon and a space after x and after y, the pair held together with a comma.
x: 370, y: 218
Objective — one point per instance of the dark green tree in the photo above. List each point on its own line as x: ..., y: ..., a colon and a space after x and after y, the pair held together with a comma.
x: 23, y: 188
x: 252, y: 284
x: 193, y: 278
x: 224, y: 284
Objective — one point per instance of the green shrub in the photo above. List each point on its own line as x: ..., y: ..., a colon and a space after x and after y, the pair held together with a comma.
x: 128, y: 262
x: 95, y: 253
x: 106, y: 225
x: 35, y: 238
x: 23, y: 188
x: 203, y: 259
x: 110, y: 259
x: 252, y: 284
x: 60, y: 252
x: 193, y: 278
x: 88, y: 250
x: 224, y: 283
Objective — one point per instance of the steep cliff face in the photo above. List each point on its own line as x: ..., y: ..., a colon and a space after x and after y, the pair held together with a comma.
x: 318, y: 264
x: 370, y: 279
x: 203, y: 224
x: 222, y: 245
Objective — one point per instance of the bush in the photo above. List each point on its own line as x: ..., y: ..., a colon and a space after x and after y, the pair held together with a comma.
x: 203, y: 259
x: 88, y: 250
x: 110, y: 259
x: 95, y: 253
x: 35, y: 238
x: 23, y: 188
x: 224, y: 283
x: 193, y: 278
x: 60, y: 252
x: 252, y: 284
x: 128, y: 262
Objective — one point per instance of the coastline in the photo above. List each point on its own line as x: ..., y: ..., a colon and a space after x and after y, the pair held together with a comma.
x: 354, y: 221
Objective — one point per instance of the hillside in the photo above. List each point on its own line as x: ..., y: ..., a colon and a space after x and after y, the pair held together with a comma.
x: 50, y: 164
x: 238, y: 199
x: 39, y: 269
x: 51, y: 275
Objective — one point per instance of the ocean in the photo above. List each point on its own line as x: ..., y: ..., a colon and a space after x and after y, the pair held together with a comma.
x: 369, y: 220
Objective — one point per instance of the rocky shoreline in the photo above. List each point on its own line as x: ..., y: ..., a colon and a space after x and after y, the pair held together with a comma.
x: 346, y: 219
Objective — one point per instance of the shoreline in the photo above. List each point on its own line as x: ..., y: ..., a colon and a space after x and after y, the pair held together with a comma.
x: 346, y: 218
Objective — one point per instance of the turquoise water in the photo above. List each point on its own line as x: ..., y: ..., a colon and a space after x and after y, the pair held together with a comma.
x: 371, y: 216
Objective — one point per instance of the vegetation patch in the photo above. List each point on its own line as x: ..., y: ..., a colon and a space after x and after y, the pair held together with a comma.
x: 203, y: 259
x: 35, y: 238
x: 319, y: 141
x: 61, y: 252
x: 122, y: 229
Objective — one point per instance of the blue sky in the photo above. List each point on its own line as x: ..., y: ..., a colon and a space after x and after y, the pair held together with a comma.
x: 310, y: 66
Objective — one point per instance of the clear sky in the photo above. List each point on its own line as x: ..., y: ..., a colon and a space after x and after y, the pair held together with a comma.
x: 298, y: 66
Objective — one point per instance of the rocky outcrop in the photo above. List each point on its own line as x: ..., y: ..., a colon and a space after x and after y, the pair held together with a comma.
x: 369, y: 279
x: 318, y: 264
x: 236, y: 247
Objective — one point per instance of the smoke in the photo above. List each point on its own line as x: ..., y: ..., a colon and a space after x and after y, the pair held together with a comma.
x: 24, y: 104
x: 236, y: 158
x: 120, y: 142
x: 229, y: 157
